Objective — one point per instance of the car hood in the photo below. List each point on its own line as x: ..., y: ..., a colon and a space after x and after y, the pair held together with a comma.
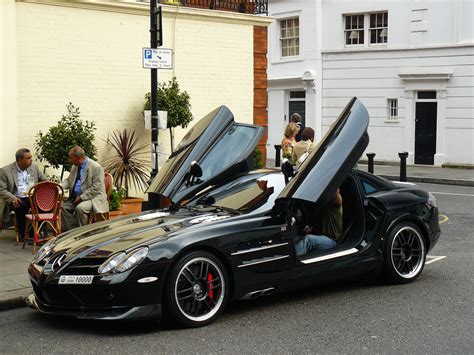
x: 328, y: 164
x: 221, y: 148
x: 126, y: 233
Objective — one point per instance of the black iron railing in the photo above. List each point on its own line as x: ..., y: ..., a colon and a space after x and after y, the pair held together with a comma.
x: 243, y: 6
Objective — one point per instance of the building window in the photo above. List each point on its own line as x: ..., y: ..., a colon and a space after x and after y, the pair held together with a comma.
x: 354, y: 31
x: 366, y: 29
x: 378, y: 27
x: 290, y: 37
x: 392, y: 109
x: 297, y: 94
x: 426, y: 95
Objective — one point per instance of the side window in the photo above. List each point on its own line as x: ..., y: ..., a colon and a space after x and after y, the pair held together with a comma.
x: 368, y: 188
x: 224, y: 153
x: 371, y: 185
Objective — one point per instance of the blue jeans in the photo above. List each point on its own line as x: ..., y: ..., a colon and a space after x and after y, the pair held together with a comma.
x: 313, y: 242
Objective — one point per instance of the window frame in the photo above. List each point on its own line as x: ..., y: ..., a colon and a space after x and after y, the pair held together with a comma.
x: 366, y: 29
x: 391, y: 109
x: 350, y: 30
x: 282, y: 39
x: 370, y: 29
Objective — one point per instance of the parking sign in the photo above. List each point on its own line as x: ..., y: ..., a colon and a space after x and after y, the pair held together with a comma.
x: 157, y: 58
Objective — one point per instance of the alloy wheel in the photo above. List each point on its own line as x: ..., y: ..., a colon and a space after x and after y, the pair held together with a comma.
x: 199, y: 289
x: 407, y: 252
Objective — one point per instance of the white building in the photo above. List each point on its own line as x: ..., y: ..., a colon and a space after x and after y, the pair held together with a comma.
x: 410, y: 62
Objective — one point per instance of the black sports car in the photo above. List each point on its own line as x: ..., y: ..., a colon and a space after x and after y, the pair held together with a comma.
x: 229, y: 234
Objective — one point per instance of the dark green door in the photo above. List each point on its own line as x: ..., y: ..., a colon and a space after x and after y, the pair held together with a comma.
x: 298, y: 107
x: 425, y: 132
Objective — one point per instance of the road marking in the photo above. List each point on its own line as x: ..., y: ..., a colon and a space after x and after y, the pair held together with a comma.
x: 449, y: 193
x: 434, y: 258
x: 444, y: 220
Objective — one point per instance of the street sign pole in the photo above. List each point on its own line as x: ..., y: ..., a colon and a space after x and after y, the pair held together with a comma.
x: 156, y: 40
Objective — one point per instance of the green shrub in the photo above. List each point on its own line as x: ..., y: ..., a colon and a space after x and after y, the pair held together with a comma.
x: 114, y: 203
x: 176, y: 102
x: 257, y: 159
x: 54, y: 145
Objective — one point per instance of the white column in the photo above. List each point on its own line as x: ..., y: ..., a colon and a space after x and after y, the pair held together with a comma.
x: 310, y: 105
x: 440, y: 157
x: 8, y: 83
x: 318, y: 127
x: 409, y: 141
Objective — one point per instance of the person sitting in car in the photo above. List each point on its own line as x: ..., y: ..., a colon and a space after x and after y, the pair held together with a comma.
x: 331, y: 230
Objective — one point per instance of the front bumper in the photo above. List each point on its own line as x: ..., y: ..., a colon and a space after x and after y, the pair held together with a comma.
x: 106, y: 313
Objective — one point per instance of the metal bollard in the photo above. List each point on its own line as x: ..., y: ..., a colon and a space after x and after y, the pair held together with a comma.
x: 277, y: 155
x: 371, y: 162
x: 403, y: 166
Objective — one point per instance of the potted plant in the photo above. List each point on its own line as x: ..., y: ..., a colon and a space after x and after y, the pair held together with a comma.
x: 175, y: 102
x: 114, y: 202
x: 129, y: 168
x: 53, y: 146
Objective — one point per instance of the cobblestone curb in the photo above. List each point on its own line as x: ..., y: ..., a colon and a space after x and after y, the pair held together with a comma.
x: 14, y: 299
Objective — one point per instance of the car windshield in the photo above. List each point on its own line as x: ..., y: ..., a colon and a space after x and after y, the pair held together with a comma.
x: 254, y: 192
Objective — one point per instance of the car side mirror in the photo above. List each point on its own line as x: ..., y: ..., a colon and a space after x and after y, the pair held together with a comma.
x: 195, y: 169
x: 193, y: 174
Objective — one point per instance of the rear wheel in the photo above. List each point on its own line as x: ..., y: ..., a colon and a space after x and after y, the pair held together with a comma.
x: 196, y: 291
x: 404, y: 254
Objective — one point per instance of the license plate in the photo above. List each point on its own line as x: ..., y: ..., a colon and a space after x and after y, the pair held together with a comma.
x: 76, y: 280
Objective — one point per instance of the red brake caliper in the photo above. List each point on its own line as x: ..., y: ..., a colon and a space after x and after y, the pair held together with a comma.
x: 210, y: 285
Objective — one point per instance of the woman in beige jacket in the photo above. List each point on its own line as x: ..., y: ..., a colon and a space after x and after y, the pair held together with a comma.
x: 305, y: 145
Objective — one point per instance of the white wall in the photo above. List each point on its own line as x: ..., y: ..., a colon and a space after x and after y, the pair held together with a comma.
x: 8, y: 83
x: 285, y: 74
x: 411, y: 23
x: 89, y: 53
x: 374, y: 77
x: 279, y: 67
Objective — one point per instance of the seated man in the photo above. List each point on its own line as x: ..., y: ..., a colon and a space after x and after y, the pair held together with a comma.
x: 331, y: 230
x: 86, y: 190
x: 15, y: 181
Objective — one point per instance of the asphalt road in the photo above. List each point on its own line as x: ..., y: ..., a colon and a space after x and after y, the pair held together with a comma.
x: 433, y: 315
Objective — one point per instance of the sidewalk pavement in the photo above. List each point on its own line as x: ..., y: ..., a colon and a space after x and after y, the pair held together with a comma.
x: 420, y: 173
x: 15, y: 285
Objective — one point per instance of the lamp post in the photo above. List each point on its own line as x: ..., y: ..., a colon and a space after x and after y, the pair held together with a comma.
x: 156, y: 40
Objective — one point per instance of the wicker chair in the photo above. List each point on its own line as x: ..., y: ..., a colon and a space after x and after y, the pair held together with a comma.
x: 45, y: 201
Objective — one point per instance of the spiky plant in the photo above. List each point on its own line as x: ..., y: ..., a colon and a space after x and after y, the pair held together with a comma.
x: 128, y: 166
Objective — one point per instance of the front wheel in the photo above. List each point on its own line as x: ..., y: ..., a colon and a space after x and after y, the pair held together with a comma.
x: 196, y: 291
x: 404, y: 253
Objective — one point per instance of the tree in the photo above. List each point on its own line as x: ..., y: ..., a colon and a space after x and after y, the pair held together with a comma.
x: 176, y: 102
x: 70, y: 131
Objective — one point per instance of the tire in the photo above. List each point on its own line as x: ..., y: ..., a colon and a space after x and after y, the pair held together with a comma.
x: 196, y: 291
x: 404, y: 253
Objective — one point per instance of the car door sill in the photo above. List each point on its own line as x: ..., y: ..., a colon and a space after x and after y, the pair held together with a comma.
x: 330, y: 256
x: 264, y: 247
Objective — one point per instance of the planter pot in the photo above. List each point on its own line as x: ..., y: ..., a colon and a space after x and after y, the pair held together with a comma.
x: 115, y: 214
x: 131, y: 205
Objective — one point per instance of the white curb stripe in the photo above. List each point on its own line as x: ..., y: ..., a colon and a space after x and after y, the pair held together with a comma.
x: 434, y: 258
x: 449, y: 193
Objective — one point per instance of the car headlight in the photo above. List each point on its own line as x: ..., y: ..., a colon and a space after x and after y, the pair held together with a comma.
x: 44, y: 251
x: 132, y: 259
x: 111, y: 263
x: 122, y: 262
